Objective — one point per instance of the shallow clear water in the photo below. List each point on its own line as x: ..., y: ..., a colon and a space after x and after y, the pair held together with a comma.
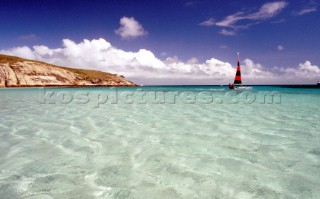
x: 128, y: 143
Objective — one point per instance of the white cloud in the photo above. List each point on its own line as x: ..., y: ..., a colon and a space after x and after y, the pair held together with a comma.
x: 266, y: 11
x: 304, y: 73
x: 144, y: 67
x: 227, y: 32
x: 278, y: 21
x: 308, y: 67
x: 280, y: 47
x: 192, y: 60
x: 231, y: 19
x: 254, y: 70
x: 22, y: 51
x: 208, y: 23
x: 306, y: 11
x: 130, y: 28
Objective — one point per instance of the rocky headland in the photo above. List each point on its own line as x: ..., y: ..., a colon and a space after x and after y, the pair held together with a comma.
x: 18, y: 72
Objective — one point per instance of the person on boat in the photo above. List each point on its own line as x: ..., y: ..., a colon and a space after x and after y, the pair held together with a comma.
x: 231, y: 86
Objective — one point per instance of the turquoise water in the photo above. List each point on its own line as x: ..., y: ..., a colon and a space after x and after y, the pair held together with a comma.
x: 145, y: 143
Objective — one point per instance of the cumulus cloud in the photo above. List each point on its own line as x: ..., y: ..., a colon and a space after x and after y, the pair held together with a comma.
x: 255, y: 70
x: 192, y: 60
x: 304, y: 73
x: 144, y: 67
x: 141, y: 65
x: 130, y: 28
x: 308, y: 67
x: 22, y: 51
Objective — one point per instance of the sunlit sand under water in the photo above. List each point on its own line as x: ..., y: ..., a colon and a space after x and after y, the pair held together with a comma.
x: 50, y: 148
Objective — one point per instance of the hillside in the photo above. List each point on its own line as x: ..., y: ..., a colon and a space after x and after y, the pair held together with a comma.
x: 19, y: 72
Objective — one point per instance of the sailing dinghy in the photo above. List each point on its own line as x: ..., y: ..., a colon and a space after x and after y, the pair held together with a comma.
x: 237, y: 79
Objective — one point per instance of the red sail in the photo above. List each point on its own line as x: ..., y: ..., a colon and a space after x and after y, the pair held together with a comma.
x: 237, y: 79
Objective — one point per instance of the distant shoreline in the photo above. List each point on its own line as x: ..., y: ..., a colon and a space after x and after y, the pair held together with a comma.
x: 90, y: 86
x: 67, y: 86
x: 275, y: 85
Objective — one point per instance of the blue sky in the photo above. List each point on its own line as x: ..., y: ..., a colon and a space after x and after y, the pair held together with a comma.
x: 271, y: 33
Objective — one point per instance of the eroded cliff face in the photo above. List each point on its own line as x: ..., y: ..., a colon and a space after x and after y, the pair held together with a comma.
x: 17, y: 72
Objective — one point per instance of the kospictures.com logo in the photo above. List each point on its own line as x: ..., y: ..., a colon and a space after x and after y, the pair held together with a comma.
x: 140, y: 96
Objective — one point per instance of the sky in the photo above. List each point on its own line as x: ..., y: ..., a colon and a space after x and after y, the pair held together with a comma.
x: 170, y: 42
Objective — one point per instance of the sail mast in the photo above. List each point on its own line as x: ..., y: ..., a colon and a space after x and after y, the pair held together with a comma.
x: 237, y: 78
